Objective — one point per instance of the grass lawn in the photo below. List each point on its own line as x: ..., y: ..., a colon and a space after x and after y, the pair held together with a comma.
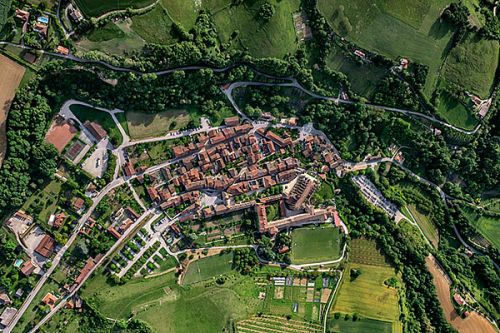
x: 209, y: 267
x: 367, y: 295
x: 394, y: 28
x: 98, y: 7
x: 472, y: 64
x: 430, y: 231
x: 146, y: 125
x: 325, y: 191
x: 85, y: 113
x: 310, y: 245
x: 487, y: 225
x: 360, y: 326
x: 154, y: 26
x: 455, y: 112
x: 169, y: 308
x: 363, y: 78
x: 46, y: 199
x: 114, y: 38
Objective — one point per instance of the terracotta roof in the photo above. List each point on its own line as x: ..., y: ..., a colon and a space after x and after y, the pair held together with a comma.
x: 28, y: 268
x: 85, y: 270
x: 97, y: 131
x: 46, y: 246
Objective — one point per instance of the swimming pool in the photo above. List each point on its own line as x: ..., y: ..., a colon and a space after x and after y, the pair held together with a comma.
x: 43, y: 19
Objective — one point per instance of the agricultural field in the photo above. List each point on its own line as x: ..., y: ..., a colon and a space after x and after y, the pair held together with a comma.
x: 472, y: 65
x: 315, y: 244
x: 429, y: 230
x: 454, y: 112
x: 154, y: 26
x: 208, y: 267
x: 365, y: 251
x: 104, y: 119
x: 12, y: 74
x: 394, y: 28
x: 361, y: 325
x: 4, y: 10
x: 97, y: 7
x: 147, y: 125
x: 270, y: 323
x: 474, y: 323
x: 362, y: 77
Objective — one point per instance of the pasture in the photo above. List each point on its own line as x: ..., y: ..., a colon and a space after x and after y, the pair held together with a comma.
x: 96, y: 8
x: 472, y: 65
x: 315, y: 244
x: 429, y: 230
x: 12, y: 74
x: 208, y: 267
x: 487, y: 225
x: 472, y: 324
x: 148, y: 125
x: 394, y: 28
x: 367, y: 295
x: 154, y: 26
x: 454, y: 112
x: 363, y: 325
x: 103, y: 118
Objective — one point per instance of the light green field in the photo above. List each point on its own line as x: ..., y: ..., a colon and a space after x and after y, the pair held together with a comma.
x: 310, y: 245
x: 426, y: 225
x: 363, y: 78
x: 104, y: 119
x: 113, y: 38
x: 361, y: 326
x: 472, y: 65
x: 455, y: 112
x: 154, y: 26
x: 367, y: 295
x: 209, y: 267
x: 147, y: 125
x: 487, y: 225
x: 98, y: 7
x: 364, y: 251
x: 394, y: 28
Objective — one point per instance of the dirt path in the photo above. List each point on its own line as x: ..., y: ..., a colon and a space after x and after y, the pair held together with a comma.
x: 474, y: 323
x: 11, y: 74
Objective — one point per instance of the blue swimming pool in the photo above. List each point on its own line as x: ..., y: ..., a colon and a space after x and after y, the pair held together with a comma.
x: 43, y: 19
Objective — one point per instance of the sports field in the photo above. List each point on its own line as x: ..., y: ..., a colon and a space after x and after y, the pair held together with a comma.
x: 394, y: 28
x: 147, y: 125
x: 12, y: 74
x: 472, y: 65
x: 85, y: 113
x: 474, y: 323
x: 364, y: 325
x: 207, y: 268
x: 315, y: 244
x: 98, y: 7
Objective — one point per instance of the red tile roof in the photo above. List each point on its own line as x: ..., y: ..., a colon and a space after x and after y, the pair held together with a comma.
x: 46, y: 246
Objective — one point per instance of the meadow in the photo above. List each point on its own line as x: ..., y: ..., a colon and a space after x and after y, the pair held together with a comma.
x: 472, y: 65
x: 148, y: 125
x: 104, y: 119
x: 208, y: 267
x: 394, y: 28
x: 487, y: 225
x: 315, y: 244
x: 365, y: 251
x: 159, y: 32
x: 454, y: 112
x: 429, y: 230
x: 363, y: 325
x: 98, y: 7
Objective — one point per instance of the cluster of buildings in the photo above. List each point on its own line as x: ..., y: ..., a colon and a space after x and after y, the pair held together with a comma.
x: 122, y: 220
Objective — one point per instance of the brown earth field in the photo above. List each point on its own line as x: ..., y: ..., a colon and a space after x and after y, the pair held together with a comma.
x: 11, y: 74
x: 474, y: 323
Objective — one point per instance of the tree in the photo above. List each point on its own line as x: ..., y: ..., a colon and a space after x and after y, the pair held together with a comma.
x: 266, y: 11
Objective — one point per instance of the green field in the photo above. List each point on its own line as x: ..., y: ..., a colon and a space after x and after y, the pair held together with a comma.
x: 455, y: 112
x: 207, y: 268
x: 98, y: 7
x: 147, y: 125
x: 364, y: 325
x: 429, y: 230
x: 45, y: 200
x: 154, y: 26
x: 487, y: 225
x: 394, y: 28
x: 169, y: 308
x: 472, y: 65
x: 104, y: 119
x: 363, y: 78
x: 365, y: 251
x: 367, y: 295
x: 310, y: 245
